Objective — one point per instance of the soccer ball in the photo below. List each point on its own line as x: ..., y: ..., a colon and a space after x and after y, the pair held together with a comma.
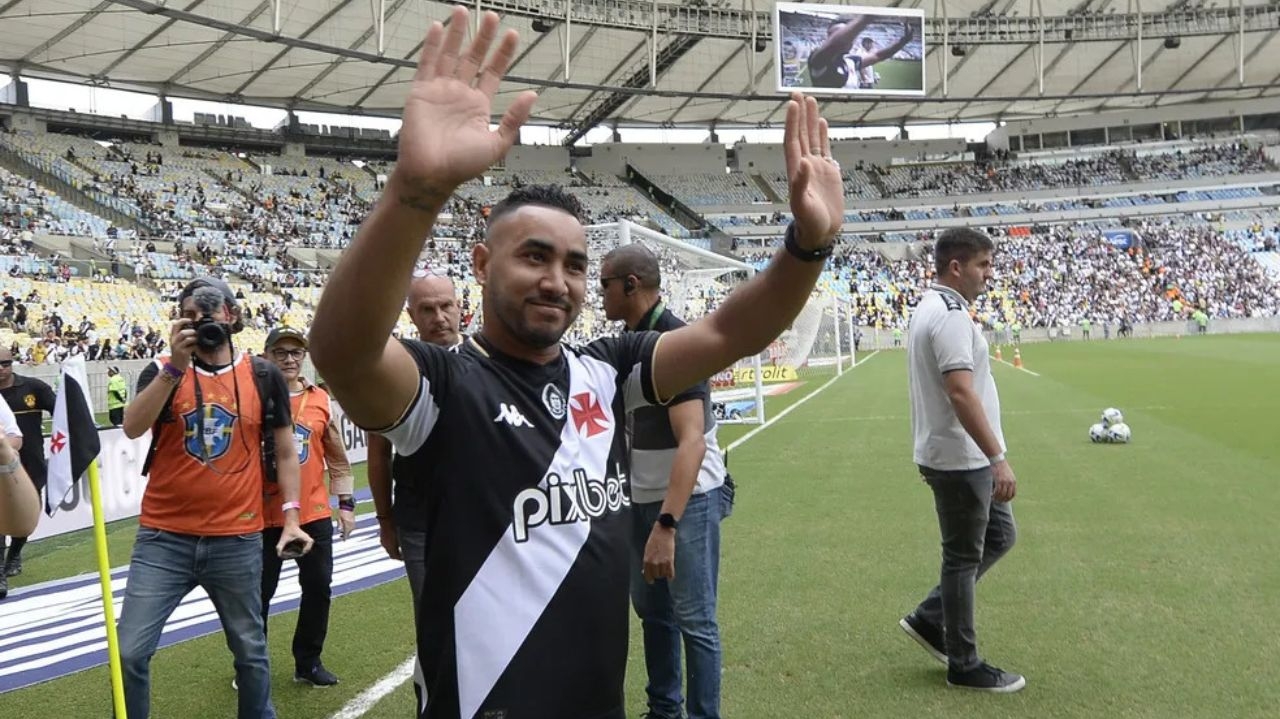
x: 1111, y: 416
x: 1119, y: 433
x: 1098, y: 433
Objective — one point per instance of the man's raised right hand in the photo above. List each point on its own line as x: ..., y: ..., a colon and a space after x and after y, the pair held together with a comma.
x: 445, y: 139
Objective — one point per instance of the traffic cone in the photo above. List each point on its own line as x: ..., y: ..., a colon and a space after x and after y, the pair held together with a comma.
x: 1017, y: 358
x: 999, y: 356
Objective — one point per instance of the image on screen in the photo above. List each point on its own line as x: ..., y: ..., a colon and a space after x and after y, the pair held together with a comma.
x: 848, y: 49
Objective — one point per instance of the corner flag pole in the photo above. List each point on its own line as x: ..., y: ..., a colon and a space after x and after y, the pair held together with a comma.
x: 104, y: 576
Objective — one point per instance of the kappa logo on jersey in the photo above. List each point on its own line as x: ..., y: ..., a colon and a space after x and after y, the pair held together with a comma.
x: 210, y: 438
x: 576, y: 499
x: 510, y: 414
x: 302, y: 438
x: 588, y: 416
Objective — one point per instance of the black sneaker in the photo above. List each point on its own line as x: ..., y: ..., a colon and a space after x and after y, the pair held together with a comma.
x: 318, y: 676
x: 926, y: 635
x: 4, y: 586
x: 986, y: 678
x: 13, y: 567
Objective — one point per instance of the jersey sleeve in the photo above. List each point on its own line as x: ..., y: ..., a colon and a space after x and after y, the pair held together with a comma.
x: 632, y: 355
x: 699, y: 391
x: 8, y: 422
x: 438, y: 367
x: 953, y: 342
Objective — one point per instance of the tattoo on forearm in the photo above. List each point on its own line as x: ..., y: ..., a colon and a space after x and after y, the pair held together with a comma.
x: 428, y: 198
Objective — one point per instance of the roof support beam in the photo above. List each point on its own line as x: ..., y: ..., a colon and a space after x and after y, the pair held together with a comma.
x: 1053, y: 64
x: 364, y: 37
x: 62, y: 34
x: 568, y: 121
x: 411, y: 57
x: 749, y: 89
x: 227, y: 37
x: 1262, y: 44
x: 146, y: 40
x: 643, y: 77
x: 710, y: 78
x: 1190, y: 68
x: 1084, y: 80
x: 563, y: 67
x: 305, y: 34
x: 9, y: 6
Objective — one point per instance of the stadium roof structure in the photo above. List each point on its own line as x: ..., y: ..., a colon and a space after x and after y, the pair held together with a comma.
x: 594, y: 61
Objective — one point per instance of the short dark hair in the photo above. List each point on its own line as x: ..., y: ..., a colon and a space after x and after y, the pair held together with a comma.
x: 959, y: 243
x: 635, y: 259
x: 237, y: 323
x: 553, y: 196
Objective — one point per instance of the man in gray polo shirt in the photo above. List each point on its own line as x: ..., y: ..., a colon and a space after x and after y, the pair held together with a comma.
x: 678, y: 500
x: 959, y: 447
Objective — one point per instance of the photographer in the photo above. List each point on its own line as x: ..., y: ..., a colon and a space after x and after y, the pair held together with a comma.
x: 320, y: 449
x: 209, y: 409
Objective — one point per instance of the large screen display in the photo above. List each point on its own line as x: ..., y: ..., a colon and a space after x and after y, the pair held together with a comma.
x: 849, y: 49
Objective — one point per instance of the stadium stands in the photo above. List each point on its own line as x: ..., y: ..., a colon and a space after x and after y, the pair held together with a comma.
x: 242, y: 213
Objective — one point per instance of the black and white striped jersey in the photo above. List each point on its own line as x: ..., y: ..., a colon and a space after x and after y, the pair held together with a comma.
x: 524, y: 613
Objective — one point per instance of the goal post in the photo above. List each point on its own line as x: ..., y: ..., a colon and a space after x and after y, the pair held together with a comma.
x: 818, y: 345
x: 694, y: 282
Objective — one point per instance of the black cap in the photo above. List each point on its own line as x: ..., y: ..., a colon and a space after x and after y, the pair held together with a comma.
x: 213, y: 282
x: 284, y: 333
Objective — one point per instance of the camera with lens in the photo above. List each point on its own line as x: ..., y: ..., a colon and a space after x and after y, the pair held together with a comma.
x: 210, y: 333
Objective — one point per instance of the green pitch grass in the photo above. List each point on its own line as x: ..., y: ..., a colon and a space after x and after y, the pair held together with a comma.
x: 900, y: 75
x: 1144, y: 582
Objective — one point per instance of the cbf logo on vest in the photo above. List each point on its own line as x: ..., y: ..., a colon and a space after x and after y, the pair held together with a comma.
x: 208, y: 437
x: 302, y: 438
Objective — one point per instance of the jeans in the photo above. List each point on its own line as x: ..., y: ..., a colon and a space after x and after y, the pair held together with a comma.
x: 413, y: 549
x: 315, y: 572
x: 165, y: 567
x: 976, y: 533
x: 681, y: 608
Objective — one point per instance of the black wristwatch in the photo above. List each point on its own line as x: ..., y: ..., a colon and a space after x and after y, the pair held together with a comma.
x: 798, y: 252
x: 667, y: 520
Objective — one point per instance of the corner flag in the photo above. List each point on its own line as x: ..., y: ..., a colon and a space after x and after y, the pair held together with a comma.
x: 74, y: 443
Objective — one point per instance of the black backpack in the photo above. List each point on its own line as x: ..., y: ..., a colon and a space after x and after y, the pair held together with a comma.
x: 261, y: 380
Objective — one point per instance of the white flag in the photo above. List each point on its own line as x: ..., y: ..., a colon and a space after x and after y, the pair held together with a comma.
x: 74, y: 442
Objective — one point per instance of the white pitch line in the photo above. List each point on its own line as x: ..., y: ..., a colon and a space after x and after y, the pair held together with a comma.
x: 738, y: 442
x: 365, y: 700
x: 1024, y: 369
x: 361, y: 703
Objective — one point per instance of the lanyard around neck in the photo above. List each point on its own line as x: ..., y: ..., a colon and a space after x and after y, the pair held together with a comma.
x: 657, y: 312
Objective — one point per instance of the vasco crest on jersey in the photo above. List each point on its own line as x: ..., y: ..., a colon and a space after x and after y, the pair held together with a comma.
x: 211, y: 438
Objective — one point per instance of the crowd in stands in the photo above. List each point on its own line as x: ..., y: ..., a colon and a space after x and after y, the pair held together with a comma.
x: 1070, y: 274
x: 60, y: 338
x: 218, y: 212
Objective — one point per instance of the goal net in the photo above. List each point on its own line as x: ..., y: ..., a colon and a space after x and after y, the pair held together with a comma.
x: 694, y: 282
x: 817, y: 347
